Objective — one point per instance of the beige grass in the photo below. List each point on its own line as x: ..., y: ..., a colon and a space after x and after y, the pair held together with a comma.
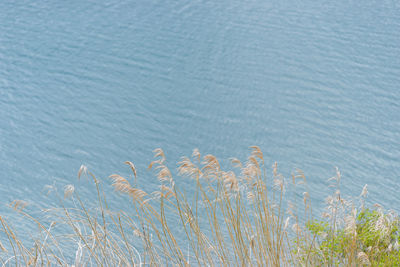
x: 238, y: 217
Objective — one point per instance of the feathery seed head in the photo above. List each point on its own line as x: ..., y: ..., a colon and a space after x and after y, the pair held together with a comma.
x: 250, y: 172
x: 364, y: 191
x: 196, y: 154
x: 132, y: 166
x: 68, y: 190
x: 186, y: 167
x: 158, y: 152
x: 164, y: 174
x: 18, y: 205
x: 82, y: 170
x: 211, y: 166
x: 254, y: 161
x: 230, y: 180
x: 256, y: 152
x: 122, y: 185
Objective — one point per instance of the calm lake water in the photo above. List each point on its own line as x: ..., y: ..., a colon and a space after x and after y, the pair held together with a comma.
x: 316, y: 84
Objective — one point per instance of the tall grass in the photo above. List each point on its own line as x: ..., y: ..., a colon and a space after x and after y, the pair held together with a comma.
x: 239, y: 217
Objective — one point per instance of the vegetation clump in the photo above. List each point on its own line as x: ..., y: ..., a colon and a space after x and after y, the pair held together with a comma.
x: 240, y: 217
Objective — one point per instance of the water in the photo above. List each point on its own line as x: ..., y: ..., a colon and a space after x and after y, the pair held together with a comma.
x: 314, y: 83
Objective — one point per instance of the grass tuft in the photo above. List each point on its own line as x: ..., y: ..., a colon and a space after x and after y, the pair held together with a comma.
x: 243, y: 216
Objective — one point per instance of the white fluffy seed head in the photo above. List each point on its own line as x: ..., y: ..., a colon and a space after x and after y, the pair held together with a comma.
x: 68, y: 190
x: 364, y: 191
x: 82, y: 170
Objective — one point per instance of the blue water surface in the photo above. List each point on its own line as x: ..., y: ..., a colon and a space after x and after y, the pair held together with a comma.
x: 314, y: 83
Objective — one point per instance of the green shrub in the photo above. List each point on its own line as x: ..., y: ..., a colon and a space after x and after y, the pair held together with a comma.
x: 374, y: 242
